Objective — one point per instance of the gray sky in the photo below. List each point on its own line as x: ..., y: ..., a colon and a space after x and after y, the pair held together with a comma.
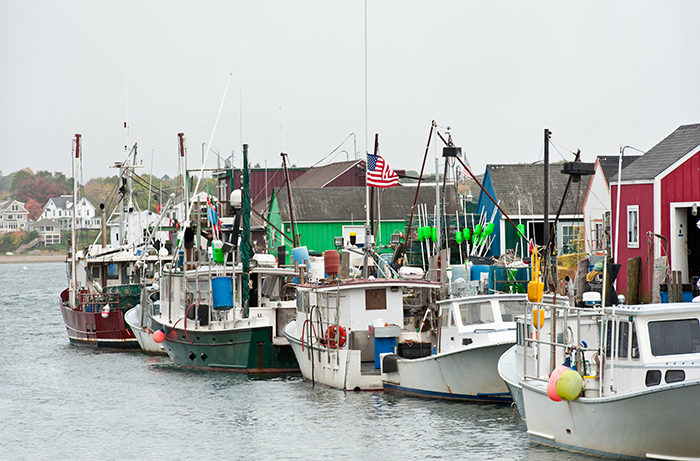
x: 598, y: 74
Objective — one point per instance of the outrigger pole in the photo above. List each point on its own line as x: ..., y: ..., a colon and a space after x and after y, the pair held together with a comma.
x: 420, y: 178
x: 468, y: 170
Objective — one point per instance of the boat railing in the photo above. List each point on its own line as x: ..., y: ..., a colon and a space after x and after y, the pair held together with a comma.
x: 95, y: 302
x: 536, y: 313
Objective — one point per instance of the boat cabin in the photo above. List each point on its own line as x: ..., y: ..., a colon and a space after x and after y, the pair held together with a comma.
x: 359, y: 307
x: 651, y: 345
x: 478, y: 320
x: 617, y: 350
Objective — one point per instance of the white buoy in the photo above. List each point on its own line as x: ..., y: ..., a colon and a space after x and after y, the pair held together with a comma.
x: 105, y: 311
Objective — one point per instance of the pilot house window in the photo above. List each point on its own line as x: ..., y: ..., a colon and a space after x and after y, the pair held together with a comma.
x: 476, y: 313
x: 671, y: 337
x: 375, y: 299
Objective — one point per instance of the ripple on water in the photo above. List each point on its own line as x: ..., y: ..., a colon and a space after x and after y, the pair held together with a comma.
x: 60, y: 401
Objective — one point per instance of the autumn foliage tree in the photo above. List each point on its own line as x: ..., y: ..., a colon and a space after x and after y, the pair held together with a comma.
x: 39, y: 189
x: 34, y: 209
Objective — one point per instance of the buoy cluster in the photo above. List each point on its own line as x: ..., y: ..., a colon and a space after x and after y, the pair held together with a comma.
x: 564, y: 384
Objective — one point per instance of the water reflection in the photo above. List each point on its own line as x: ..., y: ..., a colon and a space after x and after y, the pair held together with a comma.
x: 73, y: 402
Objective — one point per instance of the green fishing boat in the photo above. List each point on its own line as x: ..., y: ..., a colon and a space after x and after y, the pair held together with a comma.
x: 212, y: 312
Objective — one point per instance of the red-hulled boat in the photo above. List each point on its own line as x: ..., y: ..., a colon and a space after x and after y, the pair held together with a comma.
x: 97, y: 319
x: 105, y: 281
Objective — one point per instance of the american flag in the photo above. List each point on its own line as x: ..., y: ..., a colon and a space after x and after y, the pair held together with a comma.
x: 379, y: 174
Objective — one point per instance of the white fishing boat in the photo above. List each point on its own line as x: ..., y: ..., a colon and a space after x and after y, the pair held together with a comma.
x: 342, y: 327
x: 511, y: 367
x: 635, y: 386
x: 472, y: 334
x: 138, y: 321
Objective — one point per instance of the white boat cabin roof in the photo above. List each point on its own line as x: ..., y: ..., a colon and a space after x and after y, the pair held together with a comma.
x: 655, y: 309
x: 371, y: 283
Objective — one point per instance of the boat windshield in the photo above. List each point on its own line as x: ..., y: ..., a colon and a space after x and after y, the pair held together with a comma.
x: 510, y: 309
x: 476, y: 313
x: 671, y: 337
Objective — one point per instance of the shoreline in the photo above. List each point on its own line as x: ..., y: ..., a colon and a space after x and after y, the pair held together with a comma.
x: 40, y: 258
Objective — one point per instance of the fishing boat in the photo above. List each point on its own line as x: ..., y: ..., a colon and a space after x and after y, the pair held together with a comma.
x: 210, y: 312
x: 472, y: 334
x: 343, y: 326
x: 105, y: 280
x: 201, y: 322
x: 138, y: 320
x: 627, y: 383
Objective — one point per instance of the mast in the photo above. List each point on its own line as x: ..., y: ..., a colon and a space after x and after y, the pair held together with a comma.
x: 183, y: 170
x: 547, y: 265
x: 246, y: 251
x: 437, y: 199
x: 289, y: 196
x: 74, y: 273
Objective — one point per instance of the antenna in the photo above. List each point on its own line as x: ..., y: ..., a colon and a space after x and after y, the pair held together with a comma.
x: 126, y: 80
x: 284, y: 140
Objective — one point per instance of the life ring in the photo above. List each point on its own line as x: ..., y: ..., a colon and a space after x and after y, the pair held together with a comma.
x: 333, y: 339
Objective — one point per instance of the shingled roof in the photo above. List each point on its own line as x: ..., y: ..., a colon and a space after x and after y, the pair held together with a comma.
x: 62, y: 201
x: 320, y: 176
x: 610, y: 163
x: 525, y: 182
x: 348, y: 203
x: 664, y: 154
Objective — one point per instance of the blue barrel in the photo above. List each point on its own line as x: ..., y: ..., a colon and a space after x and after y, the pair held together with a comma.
x: 222, y: 293
x: 300, y: 255
x: 477, y: 270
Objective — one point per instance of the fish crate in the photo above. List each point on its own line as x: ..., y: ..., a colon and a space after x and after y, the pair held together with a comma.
x: 415, y: 349
x: 509, y: 279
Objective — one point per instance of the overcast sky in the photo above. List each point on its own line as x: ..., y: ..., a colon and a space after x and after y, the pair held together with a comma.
x: 598, y: 74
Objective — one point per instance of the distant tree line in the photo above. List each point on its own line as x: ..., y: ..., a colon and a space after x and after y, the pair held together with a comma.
x: 35, y: 189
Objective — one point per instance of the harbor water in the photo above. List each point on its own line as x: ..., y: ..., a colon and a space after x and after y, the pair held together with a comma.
x: 62, y: 401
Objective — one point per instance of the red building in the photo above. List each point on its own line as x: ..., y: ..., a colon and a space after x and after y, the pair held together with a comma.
x: 659, y: 201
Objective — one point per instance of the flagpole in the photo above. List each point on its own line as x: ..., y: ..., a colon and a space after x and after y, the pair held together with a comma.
x: 365, y: 270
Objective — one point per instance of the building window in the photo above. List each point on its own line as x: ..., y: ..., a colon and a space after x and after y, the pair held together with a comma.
x: 571, y: 238
x: 598, y: 242
x: 633, y: 226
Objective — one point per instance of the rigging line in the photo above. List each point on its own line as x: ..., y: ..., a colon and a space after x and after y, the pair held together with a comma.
x: 540, y: 157
x: 211, y: 139
x: 331, y: 152
x: 145, y: 183
x: 261, y: 191
x: 571, y: 151
x: 560, y: 154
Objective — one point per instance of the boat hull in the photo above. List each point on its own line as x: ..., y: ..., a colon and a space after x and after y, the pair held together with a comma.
x: 655, y: 423
x: 465, y: 375
x: 242, y: 350
x: 144, y: 336
x: 90, y: 328
x: 337, y: 368
x: 507, y: 371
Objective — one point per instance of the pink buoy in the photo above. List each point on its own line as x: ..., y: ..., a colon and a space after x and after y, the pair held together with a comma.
x: 159, y: 337
x: 552, y: 384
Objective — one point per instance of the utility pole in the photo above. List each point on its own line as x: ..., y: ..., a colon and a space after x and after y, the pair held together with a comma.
x: 545, y: 256
x: 547, y: 135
